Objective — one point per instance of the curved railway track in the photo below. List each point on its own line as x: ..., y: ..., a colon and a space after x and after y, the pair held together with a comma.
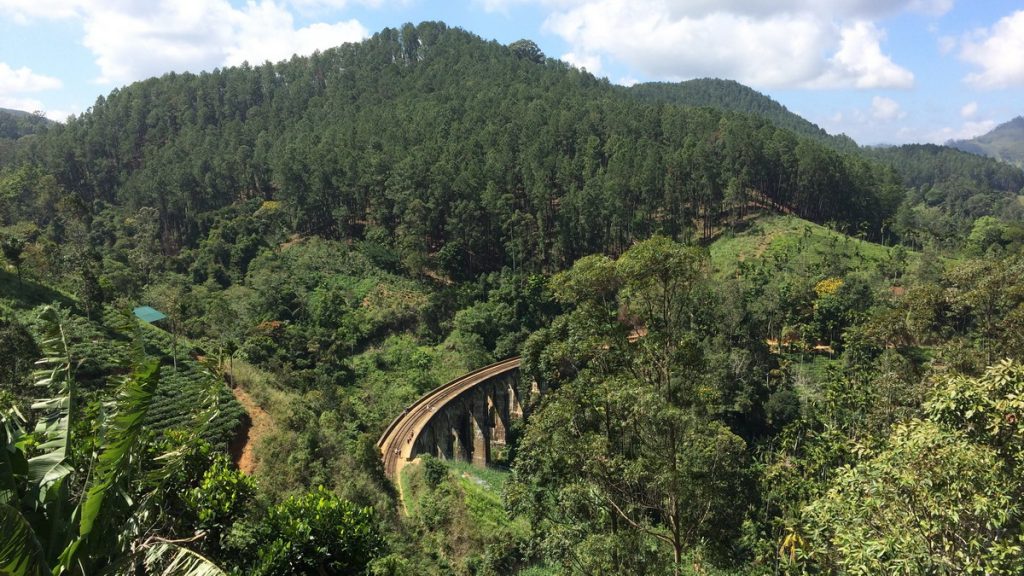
x: 399, y: 438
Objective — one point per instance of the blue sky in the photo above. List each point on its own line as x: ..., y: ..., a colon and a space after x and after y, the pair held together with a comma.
x: 881, y: 71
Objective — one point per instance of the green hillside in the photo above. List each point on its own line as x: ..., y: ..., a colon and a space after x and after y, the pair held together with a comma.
x: 948, y: 188
x: 740, y: 328
x: 799, y: 242
x: 103, y: 349
x: 733, y: 96
x: 458, y: 150
x: 17, y: 123
x: 1004, y: 142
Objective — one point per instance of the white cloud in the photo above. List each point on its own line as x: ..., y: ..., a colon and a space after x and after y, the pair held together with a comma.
x: 24, y: 11
x: 965, y: 132
x: 132, y: 40
x: 318, y: 6
x: 946, y: 44
x: 969, y: 110
x: 266, y: 32
x: 586, y: 62
x: 20, y: 103
x: 698, y: 8
x: 15, y: 83
x: 860, y: 63
x: 883, y: 108
x: 762, y: 44
x: 999, y: 52
x: 21, y: 80
x: 59, y: 115
x: 931, y: 7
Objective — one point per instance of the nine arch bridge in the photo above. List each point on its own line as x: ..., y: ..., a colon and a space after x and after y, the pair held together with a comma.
x: 461, y: 420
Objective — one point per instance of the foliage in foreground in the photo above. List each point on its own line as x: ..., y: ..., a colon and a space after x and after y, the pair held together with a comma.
x: 944, y: 496
x: 57, y: 520
x: 639, y: 446
x: 122, y: 501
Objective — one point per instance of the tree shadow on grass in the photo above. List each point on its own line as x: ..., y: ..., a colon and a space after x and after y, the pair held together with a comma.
x: 26, y: 293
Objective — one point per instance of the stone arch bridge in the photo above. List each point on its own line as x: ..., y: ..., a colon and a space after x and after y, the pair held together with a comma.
x: 461, y: 420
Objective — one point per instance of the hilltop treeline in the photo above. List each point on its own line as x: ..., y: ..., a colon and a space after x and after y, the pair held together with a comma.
x: 731, y: 95
x: 458, y: 149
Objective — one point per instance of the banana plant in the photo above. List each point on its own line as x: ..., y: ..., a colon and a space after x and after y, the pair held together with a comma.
x: 106, y: 523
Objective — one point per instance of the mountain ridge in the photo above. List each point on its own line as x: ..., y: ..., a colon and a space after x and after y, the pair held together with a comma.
x: 17, y: 123
x: 435, y: 133
x: 725, y: 94
x: 1004, y: 142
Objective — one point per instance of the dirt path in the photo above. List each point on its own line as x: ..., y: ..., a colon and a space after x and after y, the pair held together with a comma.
x: 257, y: 425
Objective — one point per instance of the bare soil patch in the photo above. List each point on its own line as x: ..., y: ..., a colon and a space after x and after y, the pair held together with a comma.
x: 257, y: 425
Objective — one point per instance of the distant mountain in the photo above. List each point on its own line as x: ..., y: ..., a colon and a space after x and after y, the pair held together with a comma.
x: 13, y: 112
x: 17, y: 123
x: 1005, y: 142
x: 735, y: 97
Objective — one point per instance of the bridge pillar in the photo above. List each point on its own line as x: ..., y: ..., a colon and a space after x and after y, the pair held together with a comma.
x: 481, y: 430
x: 515, y: 408
x: 497, y: 409
x: 461, y: 435
x: 441, y: 437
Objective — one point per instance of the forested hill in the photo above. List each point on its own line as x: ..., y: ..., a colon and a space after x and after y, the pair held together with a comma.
x: 928, y: 164
x: 733, y: 96
x: 1005, y: 142
x: 456, y: 152
x: 17, y: 123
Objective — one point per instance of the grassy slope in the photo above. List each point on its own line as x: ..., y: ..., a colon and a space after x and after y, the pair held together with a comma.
x: 799, y: 245
x: 789, y: 237
x: 481, y: 489
x: 481, y: 508
x: 26, y: 293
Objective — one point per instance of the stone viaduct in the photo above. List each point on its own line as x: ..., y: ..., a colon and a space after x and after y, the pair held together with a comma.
x: 462, y: 420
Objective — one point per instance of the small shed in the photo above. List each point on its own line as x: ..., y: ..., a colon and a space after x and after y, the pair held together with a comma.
x: 149, y: 314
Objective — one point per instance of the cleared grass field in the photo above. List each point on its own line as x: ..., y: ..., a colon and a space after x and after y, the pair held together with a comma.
x: 796, y: 240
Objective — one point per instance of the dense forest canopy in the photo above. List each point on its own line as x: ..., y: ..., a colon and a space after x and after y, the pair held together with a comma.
x: 451, y: 147
x: 763, y: 348
x: 733, y: 96
x: 15, y: 124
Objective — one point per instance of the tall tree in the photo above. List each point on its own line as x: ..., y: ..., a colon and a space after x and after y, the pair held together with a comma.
x: 632, y: 441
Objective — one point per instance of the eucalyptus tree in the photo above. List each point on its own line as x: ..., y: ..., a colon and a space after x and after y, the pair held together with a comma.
x: 634, y: 447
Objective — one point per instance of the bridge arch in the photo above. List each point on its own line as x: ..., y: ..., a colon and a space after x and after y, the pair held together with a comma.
x: 461, y: 420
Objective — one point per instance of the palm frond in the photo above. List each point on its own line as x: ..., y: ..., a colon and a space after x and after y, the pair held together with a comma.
x: 119, y: 457
x: 20, y: 552
x: 54, y: 424
x: 123, y: 438
x: 12, y: 459
x: 168, y: 559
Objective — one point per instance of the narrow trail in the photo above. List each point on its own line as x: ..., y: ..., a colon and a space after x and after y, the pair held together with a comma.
x: 257, y: 425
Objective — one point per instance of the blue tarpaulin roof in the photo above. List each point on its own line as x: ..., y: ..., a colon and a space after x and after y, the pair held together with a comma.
x: 149, y: 314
